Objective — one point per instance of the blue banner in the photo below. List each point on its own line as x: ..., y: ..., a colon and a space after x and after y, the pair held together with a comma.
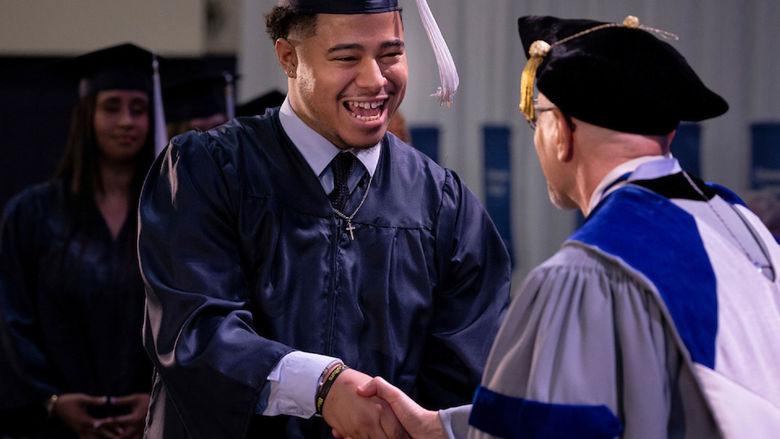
x: 426, y: 140
x: 685, y: 147
x: 765, y: 163
x: 498, y: 180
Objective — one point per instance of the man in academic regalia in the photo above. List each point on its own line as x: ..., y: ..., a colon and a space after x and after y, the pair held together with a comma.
x: 660, y: 317
x: 280, y: 248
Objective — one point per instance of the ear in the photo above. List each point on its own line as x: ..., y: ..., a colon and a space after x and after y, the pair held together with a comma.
x: 564, y: 142
x: 288, y: 57
x: 669, y: 138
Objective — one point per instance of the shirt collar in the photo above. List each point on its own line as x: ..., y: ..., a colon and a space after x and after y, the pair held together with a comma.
x: 317, y: 150
x: 641, y: 168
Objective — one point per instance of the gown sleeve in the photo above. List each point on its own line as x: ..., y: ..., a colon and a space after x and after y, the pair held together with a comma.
x: 470, y: 299
x: 23, y: 363
x: 583, y: 344
x: 198, y: 329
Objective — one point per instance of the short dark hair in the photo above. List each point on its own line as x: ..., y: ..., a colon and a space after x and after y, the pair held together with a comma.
x: 282, y: 19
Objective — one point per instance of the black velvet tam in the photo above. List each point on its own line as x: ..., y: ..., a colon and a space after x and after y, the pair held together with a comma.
x: 621, y: 78
x: 122, y: 67
x: 342, y: 6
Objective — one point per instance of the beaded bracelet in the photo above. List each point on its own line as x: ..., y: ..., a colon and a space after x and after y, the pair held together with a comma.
x: 322, y: 393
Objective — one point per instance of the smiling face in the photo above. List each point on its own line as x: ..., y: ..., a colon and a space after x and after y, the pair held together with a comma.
x: 121, y: 123
x: 347, y: 79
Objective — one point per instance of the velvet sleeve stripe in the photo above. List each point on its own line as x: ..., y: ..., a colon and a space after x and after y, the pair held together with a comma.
x: 510, y: 417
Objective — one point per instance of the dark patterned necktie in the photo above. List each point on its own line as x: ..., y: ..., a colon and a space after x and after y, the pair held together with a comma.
x: 341, y: 166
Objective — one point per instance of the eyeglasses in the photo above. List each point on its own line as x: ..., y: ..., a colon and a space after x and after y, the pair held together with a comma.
x: 537, y: 110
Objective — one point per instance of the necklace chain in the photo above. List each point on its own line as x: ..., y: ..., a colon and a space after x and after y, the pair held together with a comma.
x: 722, y: 221
x: 349, y: 227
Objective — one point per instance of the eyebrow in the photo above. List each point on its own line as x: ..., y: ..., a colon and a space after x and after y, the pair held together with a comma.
x: 117, y: 99
x: 111, y: 100
x: 355, y: 46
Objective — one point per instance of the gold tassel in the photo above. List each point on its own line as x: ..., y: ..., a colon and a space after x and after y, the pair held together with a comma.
x: 538, y: 51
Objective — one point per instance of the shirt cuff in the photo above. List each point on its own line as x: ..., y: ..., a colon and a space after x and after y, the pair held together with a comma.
x: 293, y: 384
x: 455, y: 421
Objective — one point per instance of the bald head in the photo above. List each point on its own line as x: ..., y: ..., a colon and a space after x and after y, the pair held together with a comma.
x: 614, y: 147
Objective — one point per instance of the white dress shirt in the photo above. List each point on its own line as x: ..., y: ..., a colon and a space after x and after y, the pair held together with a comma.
x: 293, y: 381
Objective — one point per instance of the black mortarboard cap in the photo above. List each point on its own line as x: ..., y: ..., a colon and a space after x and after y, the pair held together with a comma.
x: 258, y: 105
x: 341, y: 6
x: 199, y: 95
x: 122, y: 67
x: 614, y: 75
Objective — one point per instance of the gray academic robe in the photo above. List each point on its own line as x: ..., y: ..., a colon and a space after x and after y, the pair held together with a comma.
x: 648, y: 323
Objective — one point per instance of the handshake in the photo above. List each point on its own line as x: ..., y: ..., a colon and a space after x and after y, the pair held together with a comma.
x: 358, y: 407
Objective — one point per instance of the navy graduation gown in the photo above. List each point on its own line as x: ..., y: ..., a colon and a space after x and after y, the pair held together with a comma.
x: 72, y: 302
x: 245, y: 261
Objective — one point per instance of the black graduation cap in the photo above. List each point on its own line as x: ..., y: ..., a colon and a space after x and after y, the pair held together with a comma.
x: 199, y: 95
x: 122, y: 67
x: 341, y: 6
x: 258, y: 105
x: 614, y: 75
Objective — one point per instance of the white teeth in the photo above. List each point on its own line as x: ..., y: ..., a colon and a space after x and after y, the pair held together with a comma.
x: 366, y: 105
x: 365, y: 118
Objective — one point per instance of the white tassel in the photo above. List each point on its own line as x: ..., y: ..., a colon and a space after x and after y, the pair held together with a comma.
x: 230, y: 102
x: 160, y: 131
x: 448, y: 75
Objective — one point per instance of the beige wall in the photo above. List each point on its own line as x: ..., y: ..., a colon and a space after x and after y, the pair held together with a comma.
x: 731, y: 43
x: 63, y: 27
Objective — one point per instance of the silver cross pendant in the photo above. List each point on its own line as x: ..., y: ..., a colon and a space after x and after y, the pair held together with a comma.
x: 350, y: 228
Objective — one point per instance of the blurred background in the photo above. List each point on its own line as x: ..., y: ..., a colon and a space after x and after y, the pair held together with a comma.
x: 734, y: 45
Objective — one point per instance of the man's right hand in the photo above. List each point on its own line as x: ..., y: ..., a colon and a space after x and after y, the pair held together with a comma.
x: 418, y: 422
x: 359, y: 417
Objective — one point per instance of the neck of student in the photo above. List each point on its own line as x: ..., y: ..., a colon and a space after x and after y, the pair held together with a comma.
x: 113, y: 195
x: 116, y: 179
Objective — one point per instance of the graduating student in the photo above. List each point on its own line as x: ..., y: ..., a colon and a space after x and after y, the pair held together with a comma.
x: 71, y: 294
x: 659, y: 317
x: 281, y: 248
x: 257, y: 105
x: 199, y: 101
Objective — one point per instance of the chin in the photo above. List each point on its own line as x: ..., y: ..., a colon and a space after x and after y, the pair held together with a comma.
x: 126, y: 155
x: 363, y: 141
x: 559, y: 200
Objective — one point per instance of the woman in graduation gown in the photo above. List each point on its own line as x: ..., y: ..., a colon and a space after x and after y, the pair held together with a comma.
x: 71, y: 293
